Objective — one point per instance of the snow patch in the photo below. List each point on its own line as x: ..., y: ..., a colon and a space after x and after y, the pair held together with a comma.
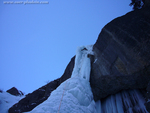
x: 7, y: 100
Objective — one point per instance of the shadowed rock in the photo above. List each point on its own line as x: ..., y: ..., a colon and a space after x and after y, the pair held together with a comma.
x: 15, y: 91
x: 122, y: 55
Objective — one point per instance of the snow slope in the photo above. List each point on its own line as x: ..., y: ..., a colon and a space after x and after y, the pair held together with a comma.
x: 7, y: 100
x: 74, y: 95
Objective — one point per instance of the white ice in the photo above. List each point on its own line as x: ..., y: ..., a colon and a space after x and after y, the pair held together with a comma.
x: 82, y: 65
x: 74, y: 95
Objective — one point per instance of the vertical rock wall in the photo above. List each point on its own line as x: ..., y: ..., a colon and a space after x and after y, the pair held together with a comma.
x: 122, y: 55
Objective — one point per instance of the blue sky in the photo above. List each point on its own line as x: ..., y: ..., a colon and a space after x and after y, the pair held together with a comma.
x: 37, y: 41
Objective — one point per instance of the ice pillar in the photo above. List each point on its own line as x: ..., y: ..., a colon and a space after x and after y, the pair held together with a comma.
x: 82, y: 67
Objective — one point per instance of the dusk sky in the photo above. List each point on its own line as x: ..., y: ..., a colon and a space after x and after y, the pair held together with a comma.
x: 37, y: 41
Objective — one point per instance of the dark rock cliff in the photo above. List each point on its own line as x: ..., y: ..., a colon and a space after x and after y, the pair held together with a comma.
x: 121, y: 61
x: 122, y: 54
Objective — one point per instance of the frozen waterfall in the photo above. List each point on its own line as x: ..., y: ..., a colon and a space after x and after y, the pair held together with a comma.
x: 75, y: 96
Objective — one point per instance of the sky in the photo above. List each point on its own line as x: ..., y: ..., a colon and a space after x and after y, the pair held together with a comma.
x: 37, y: 41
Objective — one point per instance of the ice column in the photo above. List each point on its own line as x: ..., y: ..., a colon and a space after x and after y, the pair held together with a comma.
x: 82, y: 65
x: 86, y: 68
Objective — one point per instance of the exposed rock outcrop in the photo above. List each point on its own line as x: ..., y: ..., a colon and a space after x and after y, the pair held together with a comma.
x: 15, y: 91
x: 68, y: 71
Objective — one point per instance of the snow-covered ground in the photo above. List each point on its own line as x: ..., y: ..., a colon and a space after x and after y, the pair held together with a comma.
x: 7, y: 100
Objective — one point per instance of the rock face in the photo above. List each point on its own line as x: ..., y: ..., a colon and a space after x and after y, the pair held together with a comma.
x: 122, y: 54
x: 121, y: 61
x: 68, y: 71
x: 15, y: 91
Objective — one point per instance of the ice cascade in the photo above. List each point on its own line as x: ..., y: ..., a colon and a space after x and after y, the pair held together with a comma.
x: 73, y: 95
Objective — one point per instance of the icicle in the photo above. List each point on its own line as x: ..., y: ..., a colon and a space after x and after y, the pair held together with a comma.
x: 98, y: 106
x: 109, y: 105
x: 138, y: 101
x: 127, y: 101
x: 119, y: 104
x: 130, y: 101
